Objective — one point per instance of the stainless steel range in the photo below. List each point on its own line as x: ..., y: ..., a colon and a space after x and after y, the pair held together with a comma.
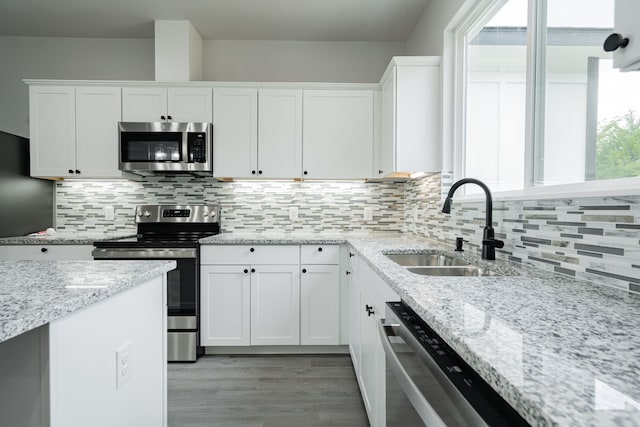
x: 172, y: 232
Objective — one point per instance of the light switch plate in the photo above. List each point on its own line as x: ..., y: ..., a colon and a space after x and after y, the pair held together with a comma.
x: 109, y: 212
x: 293, y: 213
x: 368, y: 214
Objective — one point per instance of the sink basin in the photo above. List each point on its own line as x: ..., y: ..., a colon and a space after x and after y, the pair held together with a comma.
x: 426, y: 260
x: 453, y: 271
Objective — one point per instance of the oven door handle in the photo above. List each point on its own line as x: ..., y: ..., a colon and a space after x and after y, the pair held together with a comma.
x: 147, y: 253
x: 422, y: 406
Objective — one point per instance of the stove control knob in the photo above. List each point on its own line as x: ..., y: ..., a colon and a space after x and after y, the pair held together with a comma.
x: 147, y: 214
x: 213, y: 213
x: 138, y: 212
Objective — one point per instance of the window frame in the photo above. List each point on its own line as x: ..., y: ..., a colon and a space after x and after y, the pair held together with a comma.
x: 476, y: 14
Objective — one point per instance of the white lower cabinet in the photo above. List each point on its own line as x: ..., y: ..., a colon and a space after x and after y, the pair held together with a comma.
x: 320, y: 305
x: 225, y: 292
x: 46, y: 252
x: 275, y: 305
x: 261, y: 295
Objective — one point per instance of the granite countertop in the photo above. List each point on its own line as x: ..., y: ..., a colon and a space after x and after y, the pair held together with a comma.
x: 559, y: 350
x: 64, y: 238
x: 33, y: 293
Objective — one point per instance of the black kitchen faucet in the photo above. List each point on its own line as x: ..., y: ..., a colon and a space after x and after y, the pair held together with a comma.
x: 489, y: 243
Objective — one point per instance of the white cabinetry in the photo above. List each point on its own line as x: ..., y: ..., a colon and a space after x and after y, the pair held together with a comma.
x: 226, y: 294
x: 250, y: 295
x: 338, y: 134
x: 279, y: 133
x: 626, y: 24
x: 178, y: 104
x: 235, y: 133
x: 409, y: 118
x: 46, y: 252
x: 320, y: 295
x: 73, y: 131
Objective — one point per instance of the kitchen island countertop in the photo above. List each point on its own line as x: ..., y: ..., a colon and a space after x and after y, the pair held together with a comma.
x: 559, y: 350
x: 34, y: 293
x: 64, y: 238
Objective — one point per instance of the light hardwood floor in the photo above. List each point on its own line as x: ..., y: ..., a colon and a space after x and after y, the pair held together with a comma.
x: 265, y: 391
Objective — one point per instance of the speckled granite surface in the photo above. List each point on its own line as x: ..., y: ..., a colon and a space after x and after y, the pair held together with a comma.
x: 274, y: 238
x: 33, y: 293
x: 559, y: 351
x: 63, y: 238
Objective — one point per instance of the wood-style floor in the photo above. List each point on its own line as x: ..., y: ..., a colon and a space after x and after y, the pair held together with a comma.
x: 265, y: 391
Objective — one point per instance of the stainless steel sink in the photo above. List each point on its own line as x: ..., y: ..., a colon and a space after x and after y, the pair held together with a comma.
x: 469, y: 270
x: 425, y: 260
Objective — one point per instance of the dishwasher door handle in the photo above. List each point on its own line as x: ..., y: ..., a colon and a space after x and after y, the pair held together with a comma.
x: 420, y: 404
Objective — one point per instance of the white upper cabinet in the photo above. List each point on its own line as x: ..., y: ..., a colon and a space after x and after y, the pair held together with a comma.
x: 409, y: 118
x: 178, y: 104
x: 235, y: 133
x: 98, y: 112
x: 52, y: 131
x: 338, y: 134
x: 73, y: 131
x: 626, y: 25
x: 279, y: 133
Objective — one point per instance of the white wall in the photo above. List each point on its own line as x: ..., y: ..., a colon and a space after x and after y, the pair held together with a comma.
x: 64, y: 58
x: 427, y: 36
x: 297, y: 61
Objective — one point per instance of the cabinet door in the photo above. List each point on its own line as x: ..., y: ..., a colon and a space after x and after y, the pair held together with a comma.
x: 275, y: 305
x: 52, y: 131
x: 338, y: 134
x: 280, y: 133
x: 235, y: 133
x: 98, y: 111
x: 368, y: 340
x: 319, y: 305
x: 626, y: 24
x: 144, y: 104
x: 386, y: 149
x: 225, y: 305
x: 186, y: 104
x: 354, y: 322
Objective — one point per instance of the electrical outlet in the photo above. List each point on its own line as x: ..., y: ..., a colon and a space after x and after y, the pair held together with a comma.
x: 109, y: 213
x: 368, y: 214
x: 123, y: 364
x: 293, y: 213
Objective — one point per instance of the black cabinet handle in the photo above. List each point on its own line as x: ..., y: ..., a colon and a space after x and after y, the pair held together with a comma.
x: 169, y: 117
x: 615, y: 41
x: 351, y: 255
x: 162, y: 117
x: 369, y: 309
x: 70, y: 170
x: 252, y: 250
x: 380, y: 171
x: 253, y: 172
x: 259, y: 172
x: 253, y: 270
x: 348, y: 272
x: 319, y: 249
x: 44, y: 250
x: 304, y: 270
x: 305, y: 172
x: 77, y: 171
x: 246, y: 271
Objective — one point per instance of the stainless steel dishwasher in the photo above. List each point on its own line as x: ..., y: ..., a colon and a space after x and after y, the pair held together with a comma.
x: 428, y: 384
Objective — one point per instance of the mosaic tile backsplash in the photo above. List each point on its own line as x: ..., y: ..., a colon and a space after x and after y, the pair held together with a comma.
x: 591, y: 238
x: 247, y: 206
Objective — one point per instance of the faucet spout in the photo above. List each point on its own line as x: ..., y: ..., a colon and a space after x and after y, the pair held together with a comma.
x: 489, y: 243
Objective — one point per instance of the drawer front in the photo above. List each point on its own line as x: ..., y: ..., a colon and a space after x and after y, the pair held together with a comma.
x: 46, y: 252
x: 249, y: 254
x: 320, y: 254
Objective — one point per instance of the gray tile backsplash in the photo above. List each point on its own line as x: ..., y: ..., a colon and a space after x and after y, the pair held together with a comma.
x: 593, y: 238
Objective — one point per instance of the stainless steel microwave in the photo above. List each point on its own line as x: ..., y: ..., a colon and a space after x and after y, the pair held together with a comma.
x: 165, y: 148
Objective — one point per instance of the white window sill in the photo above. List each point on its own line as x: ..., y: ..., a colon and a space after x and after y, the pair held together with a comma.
x: 605, y: 188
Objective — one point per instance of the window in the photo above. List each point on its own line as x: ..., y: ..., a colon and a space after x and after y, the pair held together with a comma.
x: 540, y: 103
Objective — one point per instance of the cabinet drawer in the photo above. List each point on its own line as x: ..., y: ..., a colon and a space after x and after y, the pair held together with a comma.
x: 249, y: 254
x: 320, y: 254
x: 44, y: 252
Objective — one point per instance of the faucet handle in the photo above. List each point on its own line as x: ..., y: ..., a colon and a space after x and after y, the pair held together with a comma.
x: 494, y: 243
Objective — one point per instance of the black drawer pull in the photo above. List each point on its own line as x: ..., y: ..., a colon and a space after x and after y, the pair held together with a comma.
x: 252, y: 250
x: 44, y: 250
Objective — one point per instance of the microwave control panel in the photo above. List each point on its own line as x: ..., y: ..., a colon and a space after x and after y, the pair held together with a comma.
x: 197, y: 147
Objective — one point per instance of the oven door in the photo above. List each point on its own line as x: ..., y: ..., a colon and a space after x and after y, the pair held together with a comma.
x: 183, y: 296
